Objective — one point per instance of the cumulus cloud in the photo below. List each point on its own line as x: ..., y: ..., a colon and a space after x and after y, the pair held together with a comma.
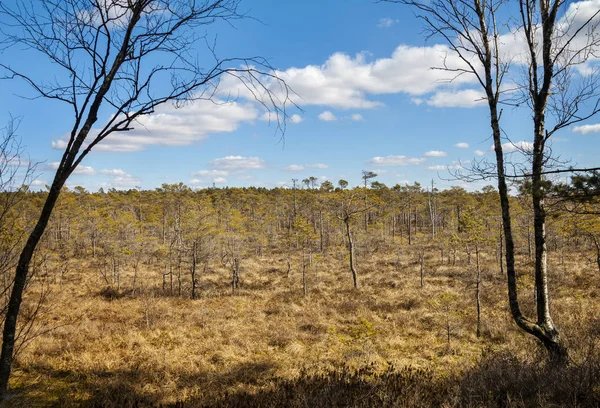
x: 294, y: 167
x: 586, y: 129
x: 318, y: 166
x: 171, y: 126
x: 345, y: 82
x: 479, y: 152
x: 327, y: 116
x: 237, y: 163
x: 435, y: 153
x: 462, y: 145
x: 357, y: 117
x: 219, y: 180
x: 295, y: 118
x: 392, y: 161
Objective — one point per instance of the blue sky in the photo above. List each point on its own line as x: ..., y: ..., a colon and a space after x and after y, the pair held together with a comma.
x: 367, y: 96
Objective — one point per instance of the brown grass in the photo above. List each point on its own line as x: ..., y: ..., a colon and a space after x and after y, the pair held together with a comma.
x: 271, y: 346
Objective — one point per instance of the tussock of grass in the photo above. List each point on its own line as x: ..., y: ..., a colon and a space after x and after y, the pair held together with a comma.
x: 270, y: 346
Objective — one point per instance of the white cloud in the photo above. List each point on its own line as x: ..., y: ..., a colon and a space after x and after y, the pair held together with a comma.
x: 219, y: 180
x: 466, y: 98
x: 38, y: 183
x: 294, y: 167
x: 195, y: 182
x: 237, y: 163
x: 479, y: 152
x: 318, y: 166
x: 59, y: 144
x: 357, y: 117
x: 387, y: 22
x: 327, y: 116
x: 390, y: 161
x: 210, y: 173
x: 517, y: 146
x: 272, y: 117
x: 437, y: 167
x: 345, y: 81
x: 81, y: 170
x: 435, y: 153
x: 120, y: 179
x: 462, y: 145
x: 114, y: 172
x: 586, y: 129
x: 441, y: 167
x: 171, y: 126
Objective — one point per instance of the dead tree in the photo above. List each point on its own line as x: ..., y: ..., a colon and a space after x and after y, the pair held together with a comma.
x: 348, y: 209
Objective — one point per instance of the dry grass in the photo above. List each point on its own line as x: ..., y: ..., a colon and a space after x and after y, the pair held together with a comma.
x: 147, y: 348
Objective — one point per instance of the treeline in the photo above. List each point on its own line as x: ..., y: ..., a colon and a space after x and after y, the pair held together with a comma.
x: 175, y: 233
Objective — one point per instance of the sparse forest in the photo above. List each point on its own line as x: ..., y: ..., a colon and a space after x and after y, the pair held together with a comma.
x: 216, y: 295
x: 349, y: 293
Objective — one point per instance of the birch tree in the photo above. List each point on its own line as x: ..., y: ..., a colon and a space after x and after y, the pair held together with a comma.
x: 559, y: 42
x: 118, y: 59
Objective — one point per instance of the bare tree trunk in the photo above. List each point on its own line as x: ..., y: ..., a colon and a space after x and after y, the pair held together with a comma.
x: 351, y: 253
x: 432, y: 212
x: 422, y: 268
x: 193, y: 272
x: 529, y: 252
x: 468, y: 251
x: 501, y: 258
x: 235, y: 278
x: 16, y: 296
x: 304, y: 279
x: 321, y: 229
x: 478, y: 291
x: 409, y: 228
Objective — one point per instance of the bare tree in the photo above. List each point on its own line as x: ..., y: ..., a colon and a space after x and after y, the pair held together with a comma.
x: 108, y: 51
x: 348, y: 209
x: 555, y: 49
x: 16, y: 173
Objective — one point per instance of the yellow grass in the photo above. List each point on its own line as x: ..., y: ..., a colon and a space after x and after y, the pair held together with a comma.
x: 162, y: 349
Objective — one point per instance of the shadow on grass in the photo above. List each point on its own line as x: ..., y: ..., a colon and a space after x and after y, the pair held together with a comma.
x: 125, y: 388
x: 499, y: 380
